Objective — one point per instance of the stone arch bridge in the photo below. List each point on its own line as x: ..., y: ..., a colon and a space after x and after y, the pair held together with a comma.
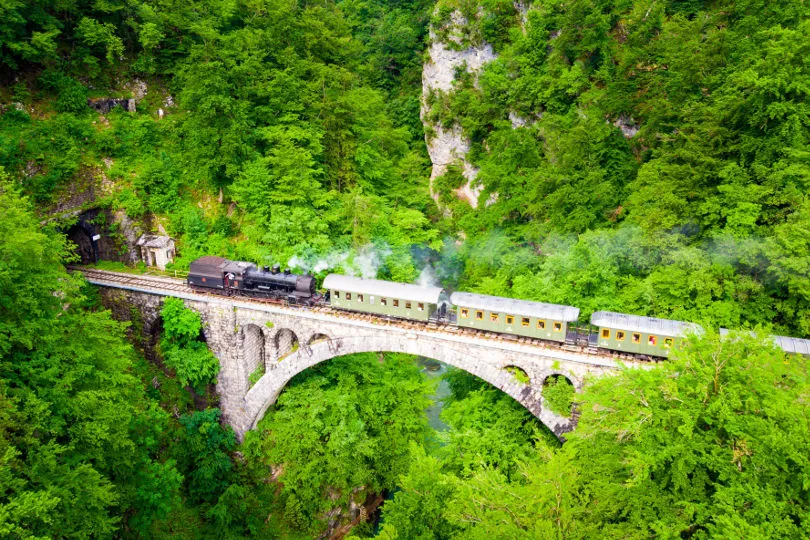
x: 246, y: 335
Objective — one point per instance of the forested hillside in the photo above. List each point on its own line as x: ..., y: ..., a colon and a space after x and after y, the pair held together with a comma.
x: 647, y: 156
x: 659, y: 163
x: 656, y: 142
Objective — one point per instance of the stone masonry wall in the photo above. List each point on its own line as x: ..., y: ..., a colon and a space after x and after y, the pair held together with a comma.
x: 142, y: 311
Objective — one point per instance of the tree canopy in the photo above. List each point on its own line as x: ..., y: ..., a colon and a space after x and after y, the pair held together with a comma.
x: 639, y: 156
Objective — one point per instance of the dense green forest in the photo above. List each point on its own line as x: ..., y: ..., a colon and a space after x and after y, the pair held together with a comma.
x: 662, y: 168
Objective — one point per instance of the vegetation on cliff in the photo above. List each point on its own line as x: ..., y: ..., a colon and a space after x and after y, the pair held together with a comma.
x: 649, y: 157
x: 639, y: 156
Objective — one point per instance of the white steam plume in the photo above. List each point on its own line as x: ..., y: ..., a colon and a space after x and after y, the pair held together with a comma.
x: 364, y: 261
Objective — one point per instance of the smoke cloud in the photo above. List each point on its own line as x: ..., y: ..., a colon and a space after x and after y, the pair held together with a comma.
x: 363, y: 262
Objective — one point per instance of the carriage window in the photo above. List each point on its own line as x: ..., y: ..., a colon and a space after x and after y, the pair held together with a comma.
x: 235, y: 283
x: 396, y: 303
x: 541, y: 325
x: 420, y: 306
x: 493, y: 317
x: 383, y: 302
x: 668, y: 342
x: 619, y: 335
x: 524, y: 321
x: 636, y: 338
x: 359, y: 297
x: 407, y: 305
x: 652, y: 340
x: 479, y: 315
x: 605, y: 333
x: 348, y: 296
x: 510, y: 319
x: 371, y: 300
x: 337, y: 294
x: 465, y: 313
x: 203, y: 280
x: 558, y: 327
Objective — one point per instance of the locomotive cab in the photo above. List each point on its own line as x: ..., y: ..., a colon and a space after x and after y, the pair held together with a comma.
x: 218, y: 273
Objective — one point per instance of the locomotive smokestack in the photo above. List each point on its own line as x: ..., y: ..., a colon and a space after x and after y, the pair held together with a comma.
x: 266, y: 269
x: 286, y: 271
x: 276, y: 268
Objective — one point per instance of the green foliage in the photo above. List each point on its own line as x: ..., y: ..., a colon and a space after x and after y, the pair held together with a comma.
x: 183, y: 351
x: 673, y: 117
x: 342, y: 426
x: 194, y: 364
x: 72, y: 96
x: 417, y: 509
x: 558, y: 393
x: 461, y: 384
x: 488, y: 429
x: 257, y: 374
x: 180, y: 324
x: 99, y: 36
x: 710, y: 434
x: 202, y: 453
x: 661, y: 169
x: 539, y: 503
x: 696, y: 447
x: 277, y: 111
x: 519, y: 375
x: 79, y: 440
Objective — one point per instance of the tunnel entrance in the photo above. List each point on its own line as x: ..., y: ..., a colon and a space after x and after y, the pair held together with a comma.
x: 90, y: 233
x: 83, y: 234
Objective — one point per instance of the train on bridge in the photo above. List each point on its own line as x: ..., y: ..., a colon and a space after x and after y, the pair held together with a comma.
x: 646, y: 338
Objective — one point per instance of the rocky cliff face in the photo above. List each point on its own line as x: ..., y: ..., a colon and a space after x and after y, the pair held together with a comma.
x: 448, y: 145
x: 142, y: 311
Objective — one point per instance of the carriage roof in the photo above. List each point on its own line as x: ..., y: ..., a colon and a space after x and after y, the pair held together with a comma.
x: 647, y: 325
x: 386, y: 289
x: 786, y: 343
x: 513, y: 306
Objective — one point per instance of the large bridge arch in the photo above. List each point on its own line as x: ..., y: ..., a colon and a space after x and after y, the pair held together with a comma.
x: 265, y: 392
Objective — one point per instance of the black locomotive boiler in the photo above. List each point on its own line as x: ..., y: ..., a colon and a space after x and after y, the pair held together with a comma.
x: 223, y: 276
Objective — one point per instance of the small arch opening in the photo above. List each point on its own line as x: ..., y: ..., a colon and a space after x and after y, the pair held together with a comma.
x: 519, y: 374
x: 558, y: 394
x: 286, y: 343
x: 317, y: 338
x: 253, y: 352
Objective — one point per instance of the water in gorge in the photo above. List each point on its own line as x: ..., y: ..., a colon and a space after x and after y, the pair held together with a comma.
x: 434, y: 369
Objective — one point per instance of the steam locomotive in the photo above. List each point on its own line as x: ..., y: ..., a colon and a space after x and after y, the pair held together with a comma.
x: 223, y: 276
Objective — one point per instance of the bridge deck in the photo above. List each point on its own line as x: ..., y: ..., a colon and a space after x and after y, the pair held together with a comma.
x: 164, y: 286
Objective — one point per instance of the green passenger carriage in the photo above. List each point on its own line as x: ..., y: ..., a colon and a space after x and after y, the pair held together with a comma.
x: 510, y: 316
x: 387, y: 298
x: 640, y: 335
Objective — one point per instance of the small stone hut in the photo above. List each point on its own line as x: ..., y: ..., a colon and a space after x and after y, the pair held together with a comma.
x: 156, y: 250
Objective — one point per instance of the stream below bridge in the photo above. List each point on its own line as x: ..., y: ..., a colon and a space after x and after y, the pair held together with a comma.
x: 434, y: 370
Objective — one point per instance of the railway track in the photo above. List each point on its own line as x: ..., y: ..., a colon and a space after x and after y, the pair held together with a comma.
x: 173, y: 285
